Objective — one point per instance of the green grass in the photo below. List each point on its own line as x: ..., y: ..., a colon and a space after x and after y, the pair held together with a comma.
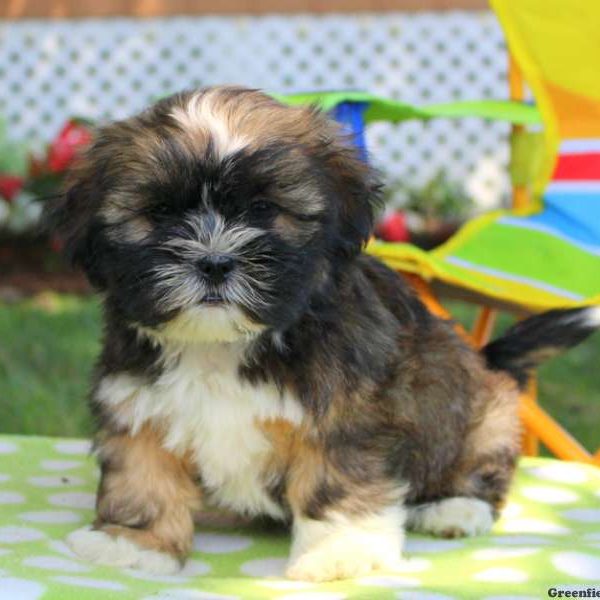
x: 48, y: 346
x: 47, y: 350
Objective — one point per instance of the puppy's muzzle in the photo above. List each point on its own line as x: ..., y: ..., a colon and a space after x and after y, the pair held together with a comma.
x: 216, y: 268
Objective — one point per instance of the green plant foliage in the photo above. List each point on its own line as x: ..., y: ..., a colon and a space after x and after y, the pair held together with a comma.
x: 439, y: 199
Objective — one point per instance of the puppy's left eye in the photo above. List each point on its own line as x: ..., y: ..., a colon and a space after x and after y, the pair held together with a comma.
x: 161, y: 209
x: 262, y: 208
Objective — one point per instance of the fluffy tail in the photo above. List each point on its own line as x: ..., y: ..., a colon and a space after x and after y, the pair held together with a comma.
x: 530, y: 342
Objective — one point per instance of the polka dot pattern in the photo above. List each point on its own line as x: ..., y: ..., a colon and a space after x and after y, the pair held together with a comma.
x: 581, y: 566
x: 11, y: 497
x: 550, y: 495
x: 502, y: 575
x: 431, y: 545
x: 264, y: 567
x: 22, y: 588
x: 112, y: 68
x: 17, y: 535
x: 60, y: 465
x: 73, y: 447
x: 55, y: 563
x: 549, y: 533
x: 561, y: 472
x: 73, y: 499
x: 389, y: 581
x: 85, y: 582
x: 212, y: 543
x: 585, y: 515
x: 536, y: 526
x: 286, y: 584
x: 502, y: 553
x: 57, y: 481
x: 51, y: 516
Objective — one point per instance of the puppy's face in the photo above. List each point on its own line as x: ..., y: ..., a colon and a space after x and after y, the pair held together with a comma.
x: 216, y: 213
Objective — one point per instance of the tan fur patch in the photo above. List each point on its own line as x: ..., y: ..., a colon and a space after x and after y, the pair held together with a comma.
x: 497, y: 425
x: 121, y: 212
x: 492, y: 444
x: 288, y: 228
x: 313, y: 479
x: 146, y: 493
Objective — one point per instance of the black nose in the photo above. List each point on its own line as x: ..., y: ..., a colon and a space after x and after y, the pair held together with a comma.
x: 216, y: 268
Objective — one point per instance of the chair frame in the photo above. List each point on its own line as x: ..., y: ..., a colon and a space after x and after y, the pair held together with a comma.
x: 538, y: 425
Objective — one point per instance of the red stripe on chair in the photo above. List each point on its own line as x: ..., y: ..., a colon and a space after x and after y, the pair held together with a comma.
x: 578, y: 167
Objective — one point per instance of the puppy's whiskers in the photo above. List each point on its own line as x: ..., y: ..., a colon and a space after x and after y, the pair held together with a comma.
x: 210, y: 233
x: 177, y: 286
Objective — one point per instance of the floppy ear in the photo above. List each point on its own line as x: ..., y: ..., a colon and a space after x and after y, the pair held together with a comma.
x: 71, y: 217
x: 358, y: 189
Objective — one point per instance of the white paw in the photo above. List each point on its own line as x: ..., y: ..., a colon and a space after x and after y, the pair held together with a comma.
x: 452, y: 517
x: 100, y: 548
x: 342, y: 549
x: 328, y: 563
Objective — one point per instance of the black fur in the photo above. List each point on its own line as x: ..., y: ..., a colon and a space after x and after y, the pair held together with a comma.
x: 525, y: 345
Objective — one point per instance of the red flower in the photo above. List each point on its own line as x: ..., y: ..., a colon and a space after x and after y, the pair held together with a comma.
x: 10, y: 186
x: 63, y: 149
x: 393, y: 228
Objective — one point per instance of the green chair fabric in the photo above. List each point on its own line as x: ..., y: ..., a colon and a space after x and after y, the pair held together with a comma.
x: 548, y: 536
x: 394, y: 111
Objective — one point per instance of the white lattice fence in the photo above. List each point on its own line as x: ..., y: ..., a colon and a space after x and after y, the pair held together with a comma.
x: 51, y: 70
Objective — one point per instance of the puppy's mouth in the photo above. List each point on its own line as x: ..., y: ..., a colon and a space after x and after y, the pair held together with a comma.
x: 212, y: 300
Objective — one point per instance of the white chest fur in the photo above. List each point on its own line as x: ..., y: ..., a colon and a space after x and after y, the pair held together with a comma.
x: 204, y: 407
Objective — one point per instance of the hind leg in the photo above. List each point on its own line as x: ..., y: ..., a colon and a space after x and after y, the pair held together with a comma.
x: 492, y: 446
x: 473, y: 502
x: 480, y: 481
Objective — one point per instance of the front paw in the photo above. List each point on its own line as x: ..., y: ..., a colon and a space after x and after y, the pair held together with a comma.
x: 323, y: 564
x: 102, y: 548
x: 341, y: 547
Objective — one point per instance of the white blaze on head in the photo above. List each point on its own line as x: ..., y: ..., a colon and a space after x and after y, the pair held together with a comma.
x: 200, y: 113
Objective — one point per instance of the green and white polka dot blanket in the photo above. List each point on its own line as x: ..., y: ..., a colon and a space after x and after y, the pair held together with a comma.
x: 549, y: 536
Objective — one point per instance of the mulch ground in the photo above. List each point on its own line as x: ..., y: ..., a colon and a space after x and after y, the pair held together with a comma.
x: 28, y: 266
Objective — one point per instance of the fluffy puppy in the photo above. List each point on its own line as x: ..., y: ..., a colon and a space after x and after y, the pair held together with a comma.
x: 255, y: 359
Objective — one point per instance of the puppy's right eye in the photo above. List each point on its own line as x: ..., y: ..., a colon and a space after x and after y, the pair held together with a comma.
x: 261, y: 207
x: 161, y: 210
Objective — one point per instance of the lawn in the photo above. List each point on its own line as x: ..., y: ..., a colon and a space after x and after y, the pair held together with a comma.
x: 48, y: 345
x: 47, y: 350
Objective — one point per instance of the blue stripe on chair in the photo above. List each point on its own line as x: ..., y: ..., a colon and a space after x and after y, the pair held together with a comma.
x: 571, y: 215
x: 351, y: 116
x: 535, y: 283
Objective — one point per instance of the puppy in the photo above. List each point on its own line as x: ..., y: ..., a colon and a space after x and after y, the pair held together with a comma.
x: 255, y: 359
